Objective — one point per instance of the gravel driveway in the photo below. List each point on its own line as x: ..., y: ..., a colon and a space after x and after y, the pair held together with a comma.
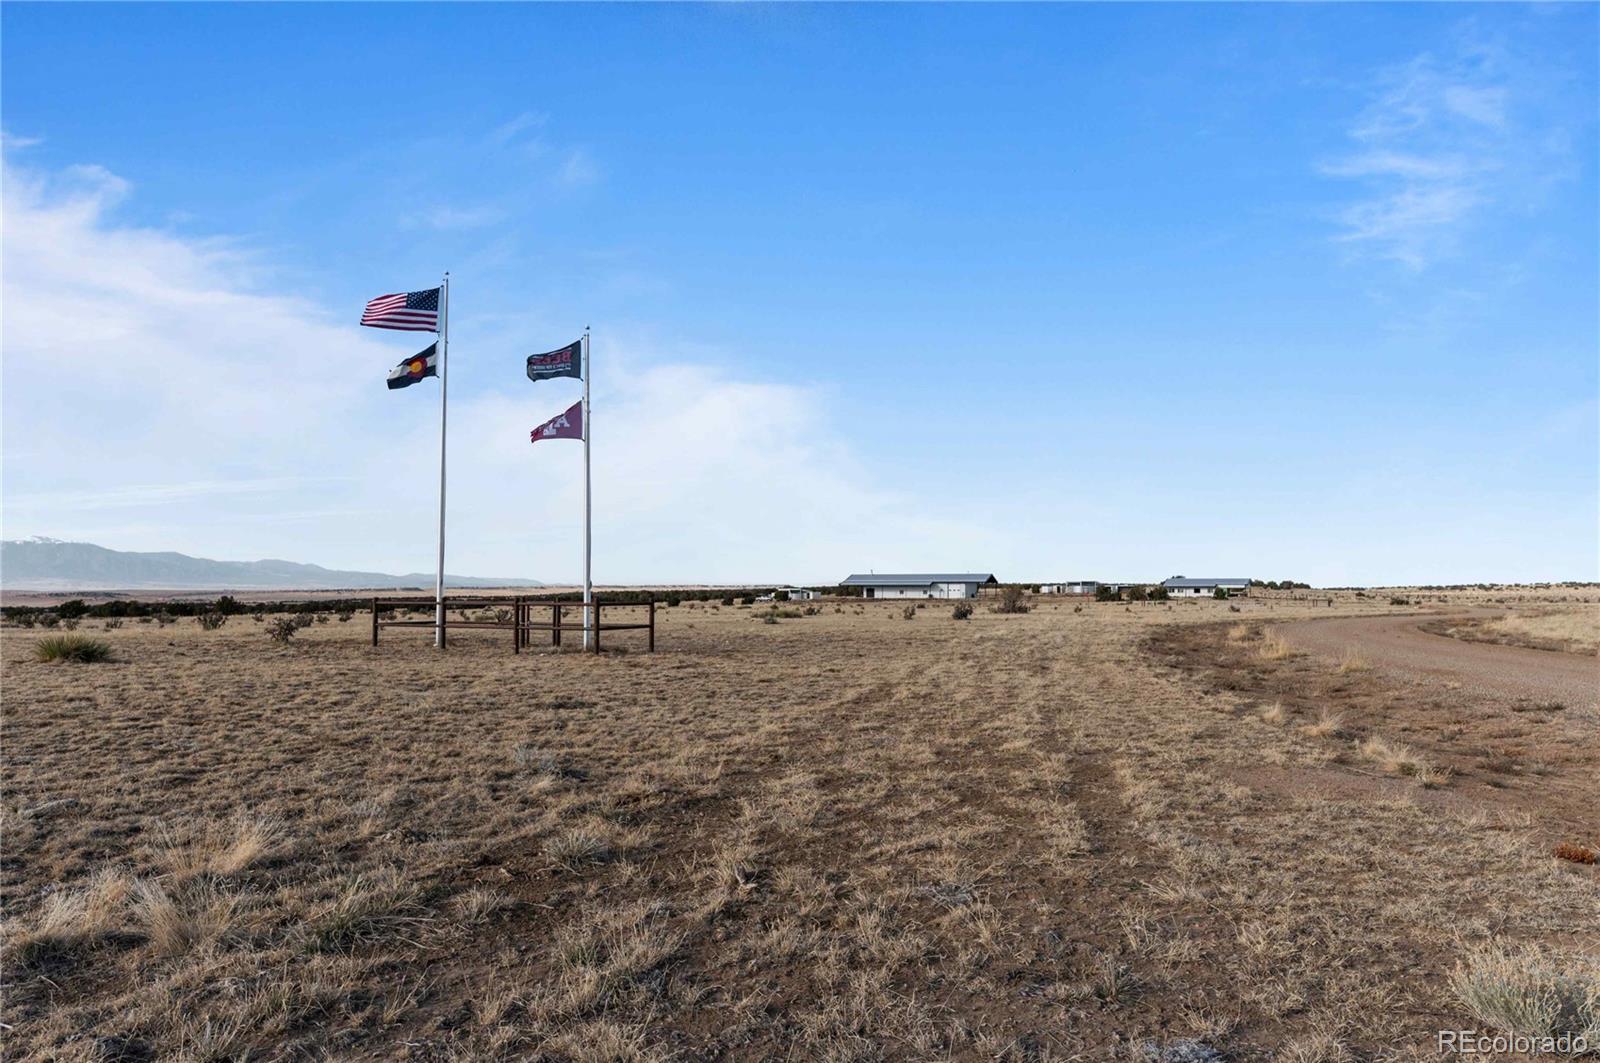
x: 1397, y: 644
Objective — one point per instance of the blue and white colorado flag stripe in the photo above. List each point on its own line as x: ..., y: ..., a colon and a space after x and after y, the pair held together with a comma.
x: 407, y: 311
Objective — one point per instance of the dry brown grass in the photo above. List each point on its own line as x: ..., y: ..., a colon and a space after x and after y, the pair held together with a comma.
x: 1352, y: 661
x: 846, y: 837
x: 1571, y: 628
x: 1275, y: 648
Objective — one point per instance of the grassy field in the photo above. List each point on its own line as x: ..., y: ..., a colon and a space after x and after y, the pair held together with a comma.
x: 1565, y: 628
x: 1141, y: 832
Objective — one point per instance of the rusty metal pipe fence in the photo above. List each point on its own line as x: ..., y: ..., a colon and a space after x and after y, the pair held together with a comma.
x: 527, y: 615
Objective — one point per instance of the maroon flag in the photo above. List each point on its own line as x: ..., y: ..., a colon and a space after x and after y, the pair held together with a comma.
x: 567, y: 425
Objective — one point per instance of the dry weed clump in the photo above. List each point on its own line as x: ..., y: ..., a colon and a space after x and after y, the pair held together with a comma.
x: 1329, y: 724
x: 1275, y: 714
x: 71, y: 918
x: 1531, y: 991
x: 1274, y: 648
x: 1239, y: 633
x: 1399, y: 759
x: 1352, y: 661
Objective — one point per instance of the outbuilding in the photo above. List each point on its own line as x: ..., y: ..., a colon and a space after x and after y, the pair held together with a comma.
x: 1082, y: 586
x: 1184, y: 587
x: 922, y: 584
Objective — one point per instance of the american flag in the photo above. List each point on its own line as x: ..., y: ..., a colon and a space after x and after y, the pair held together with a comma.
x: 409, y: 311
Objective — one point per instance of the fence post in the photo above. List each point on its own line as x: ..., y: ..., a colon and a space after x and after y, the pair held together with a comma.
x: 374, y: 621
x: 595, y: 605
x: 652, y: 624
x: 555, y: 625
x: 516, y: 624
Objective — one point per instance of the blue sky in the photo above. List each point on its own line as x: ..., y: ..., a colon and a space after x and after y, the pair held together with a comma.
x: 1054, y: 291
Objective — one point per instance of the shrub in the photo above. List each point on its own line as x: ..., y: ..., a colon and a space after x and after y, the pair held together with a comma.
x: 748, y: 599
x: 70, y: 625
x: 301, y: 620
x: 48, y: 619
x: 1398, y: 600
x: 282, y: 629
x: 72, y: 648
x: 962, y: 611
x: 780, y: 596
x: 1219, y: 592
x: 72, y: 610
x: 345, y: 616
x: 673, y: 601
x: 25, y: 619
x: 227, y: 605
x: 1159, y: 594
x: 1011, y: 601
x: 727, y: 600
x: 909, y: 612
x: 1531, y: 992
x: 1107, y: 594
x: 112, y: 625
x: 211, y: 621
x: 1138, y: 594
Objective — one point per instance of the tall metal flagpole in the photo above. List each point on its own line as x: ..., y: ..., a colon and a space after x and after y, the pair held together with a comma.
x: 588, y: 586
x: 444, y: 387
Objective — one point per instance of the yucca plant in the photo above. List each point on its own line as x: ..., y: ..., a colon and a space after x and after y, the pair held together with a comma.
x: 79, y: 648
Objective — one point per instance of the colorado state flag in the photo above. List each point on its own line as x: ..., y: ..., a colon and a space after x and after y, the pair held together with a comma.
x: 423, y: 363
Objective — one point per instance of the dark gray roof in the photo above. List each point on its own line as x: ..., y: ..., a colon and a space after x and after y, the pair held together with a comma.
x: 1180, y: 581
x: 916, y: 579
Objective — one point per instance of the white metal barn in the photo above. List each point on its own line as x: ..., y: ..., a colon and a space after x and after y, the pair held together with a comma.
x: 922, y: 584
x: 1182, y: 587
x: 801, y: 594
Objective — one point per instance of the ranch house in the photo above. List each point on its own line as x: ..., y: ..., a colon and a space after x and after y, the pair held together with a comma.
x: 922, y: 584
x: 1182, y: 587
x: 1082, y: 586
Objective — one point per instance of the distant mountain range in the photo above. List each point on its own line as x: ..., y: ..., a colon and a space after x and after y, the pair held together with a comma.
x: 52, y: 565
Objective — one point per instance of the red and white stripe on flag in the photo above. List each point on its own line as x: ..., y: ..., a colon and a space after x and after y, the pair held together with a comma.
x: 406, y: 311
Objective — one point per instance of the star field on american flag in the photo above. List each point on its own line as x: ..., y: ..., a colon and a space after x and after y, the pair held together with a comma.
x: 407, y: 311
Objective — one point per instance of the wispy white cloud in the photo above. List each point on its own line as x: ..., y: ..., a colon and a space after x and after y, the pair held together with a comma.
x: 447, y: 218
x: 577, y: 169
x: 1444, y: 140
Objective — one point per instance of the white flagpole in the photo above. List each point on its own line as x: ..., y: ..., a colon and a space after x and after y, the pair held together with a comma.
x: 444, y: 387
x: 588, y: 586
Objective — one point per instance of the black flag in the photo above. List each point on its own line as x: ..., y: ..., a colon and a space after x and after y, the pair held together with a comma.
x: 568, y: 361
x: 423, y: 363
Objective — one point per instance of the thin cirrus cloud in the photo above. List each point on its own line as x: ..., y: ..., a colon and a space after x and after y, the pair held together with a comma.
x: 1438, y: 147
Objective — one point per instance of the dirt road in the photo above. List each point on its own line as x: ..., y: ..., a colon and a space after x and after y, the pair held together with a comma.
x: 1396, y: 643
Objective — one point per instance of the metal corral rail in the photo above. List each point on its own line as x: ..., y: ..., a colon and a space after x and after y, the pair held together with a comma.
x: 522, y: 624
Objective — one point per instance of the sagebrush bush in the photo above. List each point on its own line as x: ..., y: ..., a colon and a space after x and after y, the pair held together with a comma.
x: 1530, y: 991
x: 962, y: 611
x: 79, y: 648
x: 211, y: 621
x: 282, y: 630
